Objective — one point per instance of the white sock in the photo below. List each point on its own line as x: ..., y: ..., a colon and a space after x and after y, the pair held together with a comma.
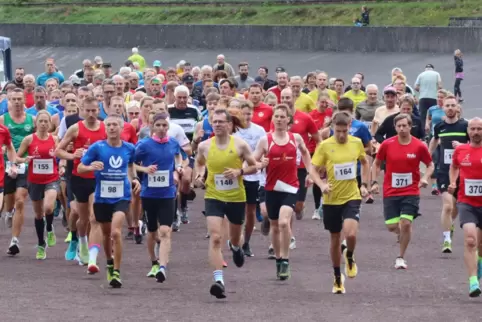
x: 343, y: 242
x: 83, y: 240
x: 321, y: 201
x: 447, y: 237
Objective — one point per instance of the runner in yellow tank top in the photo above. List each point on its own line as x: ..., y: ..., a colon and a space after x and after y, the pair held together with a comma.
x: 223, y: 155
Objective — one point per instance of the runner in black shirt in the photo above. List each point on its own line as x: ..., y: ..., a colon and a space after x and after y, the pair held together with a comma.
x: 448, y: 134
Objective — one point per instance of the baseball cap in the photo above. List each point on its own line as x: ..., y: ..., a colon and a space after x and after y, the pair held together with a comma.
x: 390, y: 89
x: 429, y: 66
x: 157, y: 63
x: 279, y: 69
x: 98, y: 60
x: 155, y: 81
x: 75, y: 80
x: 106, y: 65
x: 188, y: 79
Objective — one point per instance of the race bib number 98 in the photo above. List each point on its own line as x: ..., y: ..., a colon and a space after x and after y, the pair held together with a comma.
x: 159, y: 179
x: 473, y: 188
x: 224, y: 184
x: 401, y: 180
x: 111, y: 189
x: 345, y: 171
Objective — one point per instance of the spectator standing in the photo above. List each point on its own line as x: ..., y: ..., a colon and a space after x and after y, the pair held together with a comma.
x: 459, y: 74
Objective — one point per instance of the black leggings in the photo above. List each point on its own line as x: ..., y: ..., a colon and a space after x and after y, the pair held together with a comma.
x: 316, y: 195
x: 457, y: 91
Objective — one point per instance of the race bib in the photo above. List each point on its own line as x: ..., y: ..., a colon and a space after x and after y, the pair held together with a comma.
x: 369, y: 125
x: 401, y: 180
x: 345, y: 171
x: 224, y: 184
x: 473, y: 188
x: 43, y: 166
x: 448, y: 153
x: 20, y: 167
x: 111, y: 189
x: 159, y: 179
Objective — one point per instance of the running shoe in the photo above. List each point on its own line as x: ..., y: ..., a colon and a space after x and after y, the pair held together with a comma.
x: 479, y: 269
x: 435, y: 192
x: 58, y: 208
x: 474, y: 289
x: 238, y: 255
x: 259, y: 217
x: 351, y: 269
x: 207, y: 236
x: 400, y: 263
x: 369, y: 199
x: 71, y: 252
x: 68, y: 238
x: 452, y: 230
x: 14, y: 247
x: 316, y: 215
x: 83, y: 253
x: 115, y: 280
x: 41, y: 252
x: 51, y: 238
x: 265, y: 226
x: 293, y: 243
x: 217, y: 290
x: 184, y: 216
x: 225, y: 264
x: 161, y: 275
x: 447, y: 247
x: 153, y: 271
x: 247, y: 250
x: 284, y: 270
x: 339, y: 285
x: 130, y: 235
x: 109, y: 271
x: 271, y: 254
x: 278, y: 266
x: 92, y: 268
x: 175, y: 224
x: 138, y: 239
x: 9, y: 218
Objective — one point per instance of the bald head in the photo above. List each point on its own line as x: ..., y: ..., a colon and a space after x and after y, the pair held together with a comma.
x: 287, y: 98
x: 475, y: 131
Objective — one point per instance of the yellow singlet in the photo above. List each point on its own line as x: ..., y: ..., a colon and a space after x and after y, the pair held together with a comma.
x: 219, y: 187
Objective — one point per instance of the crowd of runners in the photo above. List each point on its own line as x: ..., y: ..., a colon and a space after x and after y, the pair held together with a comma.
x: 130, y: 147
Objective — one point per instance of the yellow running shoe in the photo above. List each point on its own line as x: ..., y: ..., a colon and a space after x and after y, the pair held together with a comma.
x: 41, y: 252
x: 339, y: 288
x: 51, y: 238
x: 350, y: 270
x: 69, y: 238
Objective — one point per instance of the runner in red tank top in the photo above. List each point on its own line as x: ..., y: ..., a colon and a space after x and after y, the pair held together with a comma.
x: 282, y: 184
x: 6, y: 140
x: 42, y: 178
x: 83, y: 134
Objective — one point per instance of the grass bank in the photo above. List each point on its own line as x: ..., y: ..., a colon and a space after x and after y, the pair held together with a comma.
x: 381, y: 14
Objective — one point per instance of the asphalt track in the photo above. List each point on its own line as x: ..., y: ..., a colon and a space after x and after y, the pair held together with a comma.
x: 434, y: 288
x: 375, y: 66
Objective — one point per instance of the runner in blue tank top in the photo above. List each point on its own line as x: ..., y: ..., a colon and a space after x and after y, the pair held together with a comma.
x: 113, y: 163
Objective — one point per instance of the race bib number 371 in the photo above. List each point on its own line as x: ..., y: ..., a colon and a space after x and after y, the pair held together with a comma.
x: 401, y: 180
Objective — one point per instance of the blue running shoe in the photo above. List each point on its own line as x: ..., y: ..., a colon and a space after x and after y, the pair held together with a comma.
x: 479, y: 269
x: 71, y: 252
x: 474, y: 289
x: 258, y: 214
x: 58, y: 207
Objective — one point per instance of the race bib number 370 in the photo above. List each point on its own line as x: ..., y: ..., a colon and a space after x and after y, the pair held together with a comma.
x: 345, y: 171
x: 473, y: 188
x: 224, y: 184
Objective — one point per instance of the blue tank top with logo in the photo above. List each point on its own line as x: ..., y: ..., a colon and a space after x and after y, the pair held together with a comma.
x: 112, y: 183
x: 207, y: 128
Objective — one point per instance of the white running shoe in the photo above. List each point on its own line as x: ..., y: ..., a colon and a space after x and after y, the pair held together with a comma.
x: 293, y: 243
x: 316, y: 215
x: 400, y: 263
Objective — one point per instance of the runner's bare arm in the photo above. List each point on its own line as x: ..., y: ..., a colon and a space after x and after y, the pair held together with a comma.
x: 55, y: 124
x: 60, y: 151
x: 365, y: 170
x: 197, y: 136
x: 23, y: 148
x: 429, y: 171
x: 247, y: 156
x: 187, y: 148
x: 261, y: 149
x: 454, y: 173
x: 200, y: 165
x: 305, y: 154
x: 11, y: 154
x: 433, y: 145
x: 325, y: 133
x: 376, y: 168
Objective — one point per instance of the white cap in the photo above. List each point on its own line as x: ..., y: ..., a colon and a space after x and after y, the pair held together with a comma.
x: 135, y: 50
